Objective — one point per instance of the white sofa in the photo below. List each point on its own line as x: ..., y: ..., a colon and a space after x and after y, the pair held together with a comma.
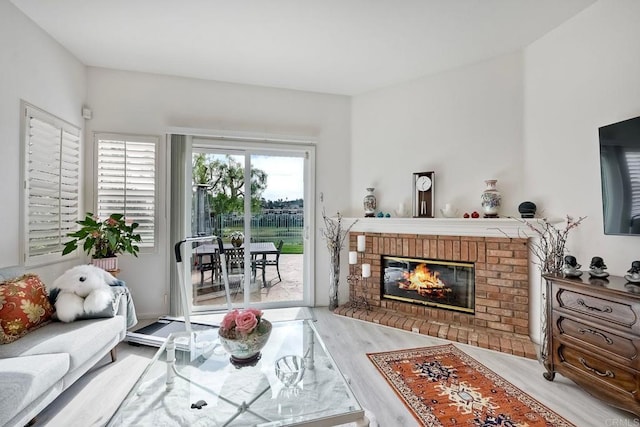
x: 38, y: 367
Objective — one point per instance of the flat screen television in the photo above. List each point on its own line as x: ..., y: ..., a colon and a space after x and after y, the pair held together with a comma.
x: 620, y: 174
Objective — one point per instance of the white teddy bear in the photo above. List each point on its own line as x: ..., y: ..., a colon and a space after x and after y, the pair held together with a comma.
x: 84, y: 289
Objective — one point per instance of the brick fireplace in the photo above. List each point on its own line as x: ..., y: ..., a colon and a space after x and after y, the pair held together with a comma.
x: 501, y: 318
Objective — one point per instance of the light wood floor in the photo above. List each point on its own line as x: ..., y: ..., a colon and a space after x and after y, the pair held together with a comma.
x: 93, y: 399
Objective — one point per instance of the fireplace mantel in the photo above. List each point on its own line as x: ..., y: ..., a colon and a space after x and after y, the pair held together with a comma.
x: 479, y: 227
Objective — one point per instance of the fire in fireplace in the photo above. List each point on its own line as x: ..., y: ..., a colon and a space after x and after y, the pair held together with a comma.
x: 437, y: 283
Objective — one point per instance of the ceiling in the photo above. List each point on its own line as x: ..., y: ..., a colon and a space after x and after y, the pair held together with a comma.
x: 331, y: 46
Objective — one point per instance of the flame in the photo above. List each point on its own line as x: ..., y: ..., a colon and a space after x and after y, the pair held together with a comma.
x: 423, y: 281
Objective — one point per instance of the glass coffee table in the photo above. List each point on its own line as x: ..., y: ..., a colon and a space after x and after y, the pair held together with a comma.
x: 191, y: 381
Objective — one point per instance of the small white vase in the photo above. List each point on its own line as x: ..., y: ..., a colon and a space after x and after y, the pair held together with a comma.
x: 449, y: 211
x: 401, y: 211
x: 491, y: 199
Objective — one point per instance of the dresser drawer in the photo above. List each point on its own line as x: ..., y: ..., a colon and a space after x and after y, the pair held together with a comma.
x: 593, y: 337
x: 601, y: 338
x: 591, y: 307
x: 599, y: 372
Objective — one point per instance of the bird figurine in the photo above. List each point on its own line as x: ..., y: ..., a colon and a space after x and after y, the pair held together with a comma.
x: 597, y: 268
x: 634, y: 272
x: 571, y: 267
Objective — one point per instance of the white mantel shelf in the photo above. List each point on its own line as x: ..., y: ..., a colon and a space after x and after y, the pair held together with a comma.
x: 477, y: 227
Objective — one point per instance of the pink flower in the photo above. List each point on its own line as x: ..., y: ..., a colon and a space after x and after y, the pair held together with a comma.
x: 246, y: 322
x: 240, y: 323
x: 255, y: 311
x: 229, y: 320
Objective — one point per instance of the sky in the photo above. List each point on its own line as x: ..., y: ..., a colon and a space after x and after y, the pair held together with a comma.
x: 284, y: 176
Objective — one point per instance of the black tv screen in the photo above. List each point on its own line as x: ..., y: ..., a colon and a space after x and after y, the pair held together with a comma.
x: 620, y: 174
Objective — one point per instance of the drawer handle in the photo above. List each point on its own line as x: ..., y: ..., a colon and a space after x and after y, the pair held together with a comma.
x: 596, y: 333
x: 595, y: 371
x: 606, y: 309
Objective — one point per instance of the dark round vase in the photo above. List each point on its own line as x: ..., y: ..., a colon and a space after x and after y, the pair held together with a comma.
x: 527, y: 209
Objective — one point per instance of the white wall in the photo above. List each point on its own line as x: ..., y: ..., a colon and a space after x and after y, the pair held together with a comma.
x: 34, y: 68
x: 466, y: 125
x: 581, y: 76
x: 151, y: 104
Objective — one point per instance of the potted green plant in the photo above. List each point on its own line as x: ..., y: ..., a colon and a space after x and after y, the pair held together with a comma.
x: 105, y: 240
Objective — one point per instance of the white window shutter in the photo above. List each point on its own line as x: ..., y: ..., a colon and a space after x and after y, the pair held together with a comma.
x: 127, y: 181
x: 633, y: 165
x: 52, y: 182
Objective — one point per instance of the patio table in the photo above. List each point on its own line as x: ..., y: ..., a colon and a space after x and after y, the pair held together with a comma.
x: 258, y: 250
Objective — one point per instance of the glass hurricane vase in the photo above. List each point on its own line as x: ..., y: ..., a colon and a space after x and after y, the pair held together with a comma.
x: 334, y: 279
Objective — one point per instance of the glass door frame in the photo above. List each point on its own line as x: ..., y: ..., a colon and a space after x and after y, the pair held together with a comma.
x: 247, y: 147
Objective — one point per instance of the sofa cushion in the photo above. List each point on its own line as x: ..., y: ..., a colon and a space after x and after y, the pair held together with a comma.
x: 24, y: 379
x: 82, y: 339
x: 24, y: 306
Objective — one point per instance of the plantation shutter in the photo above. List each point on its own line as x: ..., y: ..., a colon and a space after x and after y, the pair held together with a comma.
x: 52, y: 183
x: 633, y: 165
x: 127, y: 182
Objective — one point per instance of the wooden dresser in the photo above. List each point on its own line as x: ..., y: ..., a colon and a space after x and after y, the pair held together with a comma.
x: 593, y: 336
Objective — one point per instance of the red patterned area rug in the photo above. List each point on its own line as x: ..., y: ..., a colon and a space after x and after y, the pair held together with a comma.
x: 443, y: 386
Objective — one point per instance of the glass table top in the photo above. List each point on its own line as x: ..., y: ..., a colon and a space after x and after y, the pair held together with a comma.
x: 203, y: 388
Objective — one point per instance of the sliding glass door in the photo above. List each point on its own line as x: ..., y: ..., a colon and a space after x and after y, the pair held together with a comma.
x: 264, y: 225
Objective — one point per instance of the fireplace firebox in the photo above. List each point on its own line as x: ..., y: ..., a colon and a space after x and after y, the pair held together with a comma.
x: 436, y: 283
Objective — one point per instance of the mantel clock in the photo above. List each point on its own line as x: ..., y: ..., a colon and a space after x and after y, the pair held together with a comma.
x: 423, y: 195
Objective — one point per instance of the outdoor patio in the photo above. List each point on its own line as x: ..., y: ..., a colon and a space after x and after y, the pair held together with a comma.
x: 289, y: 289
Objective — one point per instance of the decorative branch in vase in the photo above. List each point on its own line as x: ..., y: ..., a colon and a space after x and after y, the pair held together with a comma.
x: 334, y: 234
x: 550, y: 248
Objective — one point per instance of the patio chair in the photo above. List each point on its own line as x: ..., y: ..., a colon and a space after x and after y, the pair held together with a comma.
x: 264, y: 263
x: 235, y: 260
x: 235, y: 268
x: 209, y: 262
